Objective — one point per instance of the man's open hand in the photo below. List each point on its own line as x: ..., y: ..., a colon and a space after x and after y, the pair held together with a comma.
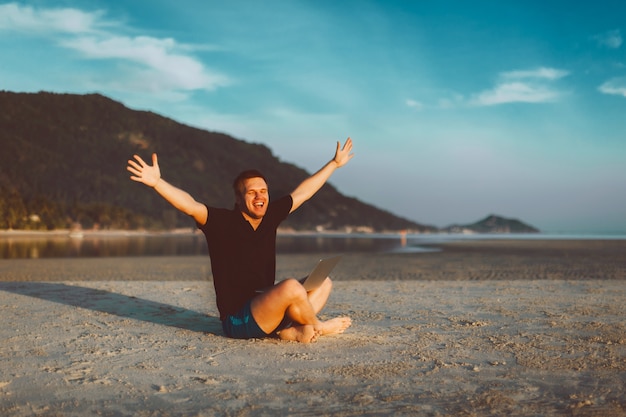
x: 343, y: 155
x: 144, y: 173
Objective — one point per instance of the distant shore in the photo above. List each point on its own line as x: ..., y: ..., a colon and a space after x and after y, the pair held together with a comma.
x: 289, y: 232
x: 117, y: 232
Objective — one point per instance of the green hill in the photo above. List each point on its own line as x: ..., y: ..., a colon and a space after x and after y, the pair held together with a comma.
x: 63, y: 161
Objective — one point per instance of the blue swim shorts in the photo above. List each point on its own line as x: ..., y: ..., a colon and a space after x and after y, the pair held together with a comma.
x: 242, y: 325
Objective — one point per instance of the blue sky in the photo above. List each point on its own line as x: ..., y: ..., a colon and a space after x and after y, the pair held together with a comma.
x: 458, y: 109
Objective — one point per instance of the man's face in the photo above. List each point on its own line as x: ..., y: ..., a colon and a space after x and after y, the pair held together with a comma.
x: 255, y: 198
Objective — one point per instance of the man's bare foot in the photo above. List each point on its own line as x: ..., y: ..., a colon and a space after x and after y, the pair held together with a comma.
x: 304, y: 334
x: 334, y: 326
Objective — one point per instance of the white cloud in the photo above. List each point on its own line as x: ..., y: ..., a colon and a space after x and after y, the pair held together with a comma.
x: 161, y: 57
x: 611, y: 39
x: 541, y: 73
x: 523, y: 86
x: 615, y: 86
x: 159, y: 65
x: 414, y: 104
x: 515, y: 92
x: 25, y: 18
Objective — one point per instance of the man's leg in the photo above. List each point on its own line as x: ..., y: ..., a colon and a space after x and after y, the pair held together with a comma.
x: 319, y: 296
x: 289, y: 297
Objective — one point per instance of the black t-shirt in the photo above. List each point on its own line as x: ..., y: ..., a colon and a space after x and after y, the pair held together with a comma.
x: 243, y: 260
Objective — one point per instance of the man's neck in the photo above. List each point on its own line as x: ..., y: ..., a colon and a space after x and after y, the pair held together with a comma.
x: 253, y: 222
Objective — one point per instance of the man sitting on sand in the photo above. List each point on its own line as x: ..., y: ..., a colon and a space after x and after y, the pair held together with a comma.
x: 242, y: 248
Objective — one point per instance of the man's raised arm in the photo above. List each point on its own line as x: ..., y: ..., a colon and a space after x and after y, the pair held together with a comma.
x: 311, y: 185
x: 151, y: 176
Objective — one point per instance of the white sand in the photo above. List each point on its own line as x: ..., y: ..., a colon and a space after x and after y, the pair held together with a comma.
x: 115, y: 348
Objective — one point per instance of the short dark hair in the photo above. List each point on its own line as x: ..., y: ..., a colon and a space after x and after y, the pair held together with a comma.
x: 238, y: 186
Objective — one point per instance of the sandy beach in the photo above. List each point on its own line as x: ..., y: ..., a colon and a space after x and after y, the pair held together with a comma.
x: 520, y: 328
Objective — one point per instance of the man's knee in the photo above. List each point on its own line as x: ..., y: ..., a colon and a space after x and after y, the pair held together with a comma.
x: 292, y: 288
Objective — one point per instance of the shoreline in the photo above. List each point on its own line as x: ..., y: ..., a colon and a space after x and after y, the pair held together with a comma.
x: 192, y: 231
x: 95, y: 233
x: 456, y: 260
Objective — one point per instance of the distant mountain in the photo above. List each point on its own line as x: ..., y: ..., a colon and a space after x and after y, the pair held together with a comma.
x: 63, y: 162
x: 493, y: 224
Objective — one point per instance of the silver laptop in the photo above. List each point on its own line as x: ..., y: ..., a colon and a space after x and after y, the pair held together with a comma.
x: 318, y: 275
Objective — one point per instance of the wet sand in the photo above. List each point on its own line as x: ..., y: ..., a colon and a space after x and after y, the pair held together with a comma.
x: 527, y: 328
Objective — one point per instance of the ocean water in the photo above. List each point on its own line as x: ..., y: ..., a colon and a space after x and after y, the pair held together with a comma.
x: 22, y: 246
x: 62, y: 245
